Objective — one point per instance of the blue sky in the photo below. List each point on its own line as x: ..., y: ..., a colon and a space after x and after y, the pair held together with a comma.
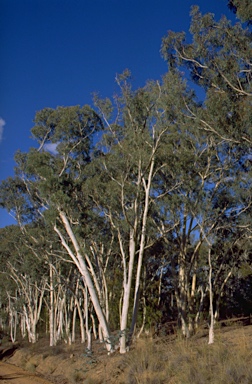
x: 58, y: 52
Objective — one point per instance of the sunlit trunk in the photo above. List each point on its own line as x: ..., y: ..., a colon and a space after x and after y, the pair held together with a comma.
x: 142, y: 246
x: 211, y: 327
x: 126, y: 293
x: 81, y: 265
x: 51, y: 310
x: 181, y: 296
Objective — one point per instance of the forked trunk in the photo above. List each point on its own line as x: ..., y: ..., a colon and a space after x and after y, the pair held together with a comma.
x: 142, y: 246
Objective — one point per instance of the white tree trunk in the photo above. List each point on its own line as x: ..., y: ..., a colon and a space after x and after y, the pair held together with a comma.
x: 81, y: 265
x: 51, y: 310
x: 142, y: 246
x: 12, y: 319
x: 181, y: 296
x: 126, y: 289
x: 211, y: 327
x: 22, y: 326
x: 33, y: 298
x: 77, y: 303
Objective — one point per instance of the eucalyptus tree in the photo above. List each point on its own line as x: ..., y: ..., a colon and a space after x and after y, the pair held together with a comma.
x: 140, y: 126
x: 190, y: 211
x: 28, y: 277
x: 242, y: 8
x: 63, y: 294
x: 9, y: 302
x: 218, y: 59
x: 167, y: 170
x: 53, y: 175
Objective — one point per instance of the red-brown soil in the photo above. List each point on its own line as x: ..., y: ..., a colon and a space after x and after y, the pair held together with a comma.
x: 10, y: 374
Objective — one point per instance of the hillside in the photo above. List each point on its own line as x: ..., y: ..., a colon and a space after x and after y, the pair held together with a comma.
x: 168, y: 360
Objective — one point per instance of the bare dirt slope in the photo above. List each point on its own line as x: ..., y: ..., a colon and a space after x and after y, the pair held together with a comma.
x: 10, y: 374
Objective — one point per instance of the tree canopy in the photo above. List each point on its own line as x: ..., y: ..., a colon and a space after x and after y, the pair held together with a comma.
x: 137, y: 210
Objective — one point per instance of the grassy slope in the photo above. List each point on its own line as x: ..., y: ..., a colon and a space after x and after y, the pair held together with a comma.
x: 166, y: 360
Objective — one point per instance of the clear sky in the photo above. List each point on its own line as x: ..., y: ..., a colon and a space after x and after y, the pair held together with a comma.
x: 58, y: 52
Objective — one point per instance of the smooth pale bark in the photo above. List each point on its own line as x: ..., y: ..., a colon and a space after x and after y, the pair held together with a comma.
x: 55, y: 306
x: 134, y: 182
x: 191, y: 297
x: 93, y: 326
x: 99, y: 277
x: 82, y: 327
x: 78, y: 306
x: 13, y: 319
x: 144, y: 305
x: 63, y: 309
x: 182, y: 288
x: 186, y: 288
x: 142, y: 245
x: 202, y: 297
x: 210, y: 285
x: 33, y: 298
x: 68, y: 309
x: 60, y: 309
x: 126, y: 288
x: 73, y: 324
x: 13, y: 325
x: 88, y: 329
x: 79, y: 261
x: 22, y: 326
x: 30, y: 326
x: 53, y: 340
x: 220, y: 295
x: 211, y: 327
x: 128, y: 270
x: 181, y: 295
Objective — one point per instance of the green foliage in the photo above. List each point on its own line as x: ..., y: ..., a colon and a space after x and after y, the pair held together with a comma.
x: 242, y: 8
x: 191, y: 159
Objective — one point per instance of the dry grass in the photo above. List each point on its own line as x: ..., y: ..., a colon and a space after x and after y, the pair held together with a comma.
x: 167, y: 360
x: 227, y: 361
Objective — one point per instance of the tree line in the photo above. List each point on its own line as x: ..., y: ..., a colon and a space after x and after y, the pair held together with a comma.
x: 136, y: 210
